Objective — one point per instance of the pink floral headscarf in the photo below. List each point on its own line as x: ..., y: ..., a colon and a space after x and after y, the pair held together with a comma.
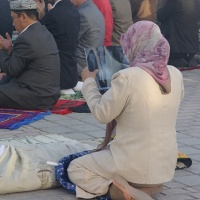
x: 144, y: 46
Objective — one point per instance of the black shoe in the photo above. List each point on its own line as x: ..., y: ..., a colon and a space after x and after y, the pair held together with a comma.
x: 178, y: 62
x: 81, y: 109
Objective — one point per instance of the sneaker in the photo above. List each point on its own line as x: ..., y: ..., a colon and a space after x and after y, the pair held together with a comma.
x: 67, y: 91
x: 78, y: 86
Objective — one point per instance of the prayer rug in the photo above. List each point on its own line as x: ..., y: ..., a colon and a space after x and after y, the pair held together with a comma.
x: 63, y: 106
x: 13, y: 119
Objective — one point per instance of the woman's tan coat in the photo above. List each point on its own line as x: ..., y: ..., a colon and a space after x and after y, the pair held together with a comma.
x: 144, y: 150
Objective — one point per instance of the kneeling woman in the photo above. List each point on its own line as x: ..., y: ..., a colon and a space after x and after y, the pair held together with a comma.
x: 144, y: 101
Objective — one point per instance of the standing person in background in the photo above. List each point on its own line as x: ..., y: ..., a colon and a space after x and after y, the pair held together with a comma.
x: 106, y: 10
x: 160, y: 3
x: 63, y: 22
x: 144, y: 10
x: 179, y: 24
x: 92, y: 30
x: 122, y: 19
x: 32, y: 63
x: 5, y: 19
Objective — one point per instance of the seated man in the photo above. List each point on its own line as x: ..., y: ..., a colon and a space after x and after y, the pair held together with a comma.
x: 32, y: 64
x: 63, y: 22
x: 92, y: 30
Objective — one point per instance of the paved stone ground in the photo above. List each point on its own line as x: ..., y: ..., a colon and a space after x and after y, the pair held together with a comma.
x: 186, y: 183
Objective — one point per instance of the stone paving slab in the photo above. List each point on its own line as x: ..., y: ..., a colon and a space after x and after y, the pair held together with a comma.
x: 83, y: 127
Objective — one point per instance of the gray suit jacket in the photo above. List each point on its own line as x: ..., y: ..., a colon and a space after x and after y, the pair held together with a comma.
x: 34, y: 69
x: 92, y: 31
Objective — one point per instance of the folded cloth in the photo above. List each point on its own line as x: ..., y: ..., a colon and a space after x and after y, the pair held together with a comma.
x: 27, y: 164
x: 2, y: 149
x: 183, y: 161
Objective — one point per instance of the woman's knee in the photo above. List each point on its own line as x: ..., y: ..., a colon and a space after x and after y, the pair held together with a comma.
x: 75, y: 172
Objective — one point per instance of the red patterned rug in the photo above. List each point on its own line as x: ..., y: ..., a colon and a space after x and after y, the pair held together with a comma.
x: 63, y: 106
x: 13, y: 119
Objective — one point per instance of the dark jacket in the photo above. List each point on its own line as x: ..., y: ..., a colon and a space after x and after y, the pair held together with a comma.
x: 143, y: 10
x: 34, y: 68
x: 179, y: 24
x: 63, y: 21
x: 5, y: 18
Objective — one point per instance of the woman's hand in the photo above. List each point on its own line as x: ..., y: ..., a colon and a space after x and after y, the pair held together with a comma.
x: 87, y: 74
x: 108, y: 135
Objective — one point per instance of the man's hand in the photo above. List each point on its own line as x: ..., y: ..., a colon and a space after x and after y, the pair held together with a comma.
x: 87, y: 74
x: 6, y: 43
x: 49, y: 6
x: 40, y: 8
x: 2, y: 75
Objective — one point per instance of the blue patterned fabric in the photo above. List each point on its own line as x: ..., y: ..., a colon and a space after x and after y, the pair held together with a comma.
x: 62, y: 176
